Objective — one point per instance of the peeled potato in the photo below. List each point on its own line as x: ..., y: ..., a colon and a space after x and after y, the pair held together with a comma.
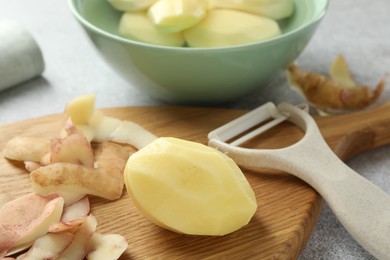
x: 189, y: 188
x: 138, y: 27
x: 224, y: 27
x: 177, y: 15
x: 274, y: 9
x: 131, y: 5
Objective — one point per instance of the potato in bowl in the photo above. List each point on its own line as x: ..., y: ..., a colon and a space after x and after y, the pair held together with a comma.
x: 197, y: 75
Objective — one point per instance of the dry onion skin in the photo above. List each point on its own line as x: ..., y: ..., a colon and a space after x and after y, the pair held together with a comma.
x: 335, y: 93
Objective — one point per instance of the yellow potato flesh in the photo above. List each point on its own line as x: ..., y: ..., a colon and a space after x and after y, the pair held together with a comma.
x: 131, y: 5
x: 177, y: 15
x: 81, y: 109
x: 138, y: 27
x: 189, y: 188
x: 223, y: 27
x: 274, y: 9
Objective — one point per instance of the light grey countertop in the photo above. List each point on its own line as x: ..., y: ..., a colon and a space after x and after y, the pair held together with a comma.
x: 359, y: 29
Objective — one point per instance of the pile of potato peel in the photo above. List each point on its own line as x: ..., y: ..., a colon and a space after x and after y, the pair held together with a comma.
x: 55, y: 220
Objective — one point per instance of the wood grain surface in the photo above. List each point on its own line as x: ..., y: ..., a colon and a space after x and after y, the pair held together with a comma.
x: 287, y: 207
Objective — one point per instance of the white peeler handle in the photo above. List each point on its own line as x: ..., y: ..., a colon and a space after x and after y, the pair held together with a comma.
x: 362, y: 207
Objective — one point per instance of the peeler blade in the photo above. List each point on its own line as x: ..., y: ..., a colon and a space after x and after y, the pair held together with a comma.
x: 246, y: 122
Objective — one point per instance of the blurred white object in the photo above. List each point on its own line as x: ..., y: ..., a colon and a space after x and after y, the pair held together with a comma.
x: 20, y: 56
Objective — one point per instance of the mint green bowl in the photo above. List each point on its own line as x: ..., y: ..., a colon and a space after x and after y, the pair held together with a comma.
x: 198, y: 75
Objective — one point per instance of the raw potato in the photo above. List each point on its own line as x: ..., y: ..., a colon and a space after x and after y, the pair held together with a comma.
x: 167, y: 18
x: 170, y: 16
x: 189, y: 188
x: 131, y: 5
x: 274, y: 9
x: 220, y: 28
x: 138, y: 27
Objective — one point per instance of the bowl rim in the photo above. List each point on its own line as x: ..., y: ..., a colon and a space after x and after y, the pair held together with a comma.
x: 92, y: 27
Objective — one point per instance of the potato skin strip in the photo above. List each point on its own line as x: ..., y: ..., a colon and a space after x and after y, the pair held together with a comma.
x: 107, y: 246
x: 72, y: 216
x: 24, y: 148
x: 327, y: 94
x: 26, y: 218
x: 105, y: 181
x: 72, y: 148
x: 48, y: 246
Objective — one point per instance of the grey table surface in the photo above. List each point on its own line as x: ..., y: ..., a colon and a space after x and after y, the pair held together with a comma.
x: 358, y: 29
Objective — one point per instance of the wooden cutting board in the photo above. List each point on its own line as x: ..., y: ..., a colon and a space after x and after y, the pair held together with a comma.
x: 287, y: 207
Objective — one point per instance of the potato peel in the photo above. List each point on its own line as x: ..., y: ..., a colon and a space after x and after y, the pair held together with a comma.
x: 73, y: 215
x: 79, y: 179
x: 106, y: 247
x: 73, y: 148
x: 5, y: 198
x: 78, y: 248
x: 119, y: 131
x: 26, y: 223
x: 66, y: 169
x: 25, y: 148
x: 340, y: 73
x: 26, y: 218
x: 336, y: 93
x: 48, y: 246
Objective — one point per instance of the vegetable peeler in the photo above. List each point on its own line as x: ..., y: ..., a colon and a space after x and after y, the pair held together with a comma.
x: 361, y: 207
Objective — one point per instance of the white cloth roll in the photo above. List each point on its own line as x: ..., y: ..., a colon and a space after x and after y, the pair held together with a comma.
x: 20, y: 56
